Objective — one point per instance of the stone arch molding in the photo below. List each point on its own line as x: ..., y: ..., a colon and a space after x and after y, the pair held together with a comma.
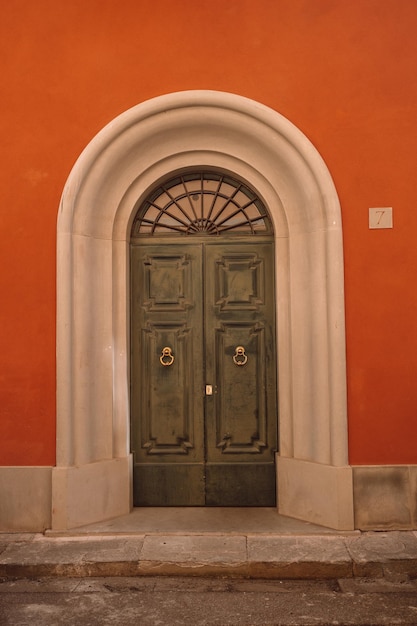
x: 92, y: 479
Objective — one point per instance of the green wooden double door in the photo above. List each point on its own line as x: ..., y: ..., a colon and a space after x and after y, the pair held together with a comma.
x: 203, y: 373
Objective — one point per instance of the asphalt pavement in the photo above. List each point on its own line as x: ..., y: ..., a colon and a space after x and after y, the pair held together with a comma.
x: 199, y: 601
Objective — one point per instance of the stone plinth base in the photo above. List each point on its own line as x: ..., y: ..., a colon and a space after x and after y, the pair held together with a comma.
x: 90, y: 493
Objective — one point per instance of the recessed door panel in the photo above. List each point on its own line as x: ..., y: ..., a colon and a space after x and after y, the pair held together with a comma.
x: 204, y: 413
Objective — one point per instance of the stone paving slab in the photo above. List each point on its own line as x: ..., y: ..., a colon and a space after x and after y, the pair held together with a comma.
x: 45, y: 551
x: 380, y: 546
x: 287, y: 549
x: 194, y: 555
x: 71, y: 557
x: 201, y: 549
x: 378, y: 554
x: 293, y: 557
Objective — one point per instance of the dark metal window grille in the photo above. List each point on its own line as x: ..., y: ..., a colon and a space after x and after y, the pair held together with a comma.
x: 202, y: 203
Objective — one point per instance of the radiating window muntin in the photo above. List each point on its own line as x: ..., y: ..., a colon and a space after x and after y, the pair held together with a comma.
x: 202, y: 203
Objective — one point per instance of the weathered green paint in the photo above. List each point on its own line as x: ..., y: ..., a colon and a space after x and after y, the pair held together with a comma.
x: 203, y: 300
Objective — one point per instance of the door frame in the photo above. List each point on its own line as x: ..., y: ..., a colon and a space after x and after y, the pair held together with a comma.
x: 110, y: 179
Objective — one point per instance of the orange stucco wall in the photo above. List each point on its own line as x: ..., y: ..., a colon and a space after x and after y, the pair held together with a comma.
x: 344, y: 72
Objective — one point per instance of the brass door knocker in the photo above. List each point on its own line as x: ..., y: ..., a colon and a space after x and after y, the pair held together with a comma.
x: 166, y: 358
x: 240, y: 357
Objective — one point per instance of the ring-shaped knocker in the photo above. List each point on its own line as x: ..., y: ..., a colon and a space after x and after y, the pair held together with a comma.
x: 166, y: 358
x: 240, y: 357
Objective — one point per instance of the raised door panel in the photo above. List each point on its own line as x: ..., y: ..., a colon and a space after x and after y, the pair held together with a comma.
x: 240, y: 402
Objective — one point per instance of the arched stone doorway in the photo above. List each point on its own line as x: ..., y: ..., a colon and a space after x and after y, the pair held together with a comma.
x: 199, y: 129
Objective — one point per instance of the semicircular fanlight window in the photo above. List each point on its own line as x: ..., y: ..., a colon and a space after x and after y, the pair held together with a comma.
x: 202, y: 203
